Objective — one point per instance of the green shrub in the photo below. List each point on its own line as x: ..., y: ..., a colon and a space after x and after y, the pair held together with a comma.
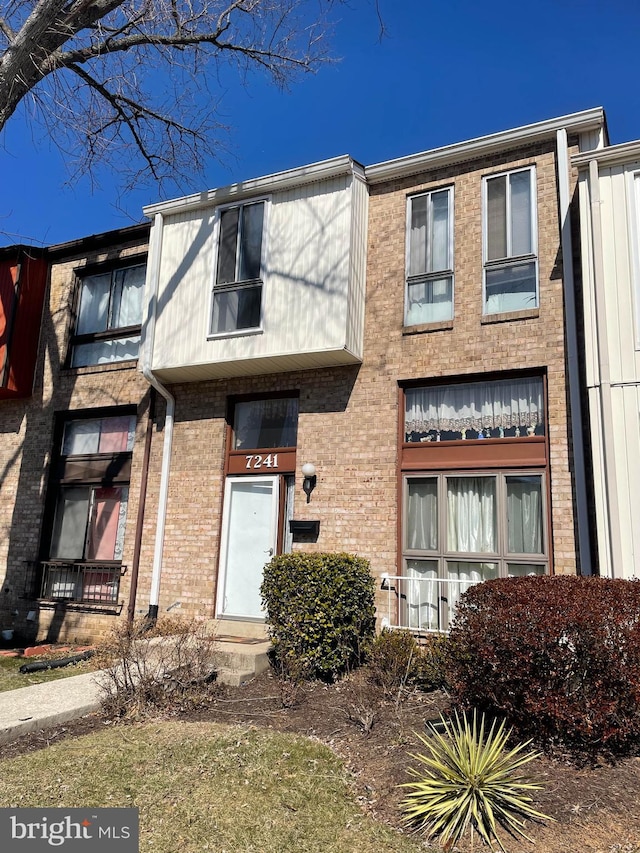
x: 469, y: 781
x: 393, y: 659
x: 559, y: 657
x: 396, y: 659
x: 320, y: 612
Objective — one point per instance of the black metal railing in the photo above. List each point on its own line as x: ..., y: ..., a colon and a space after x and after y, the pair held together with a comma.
x: 84, y: 583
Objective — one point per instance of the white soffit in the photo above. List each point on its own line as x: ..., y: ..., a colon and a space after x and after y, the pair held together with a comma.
x: 483, y: 145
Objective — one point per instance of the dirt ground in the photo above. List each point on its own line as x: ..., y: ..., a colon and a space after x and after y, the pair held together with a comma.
x: 597, y: 809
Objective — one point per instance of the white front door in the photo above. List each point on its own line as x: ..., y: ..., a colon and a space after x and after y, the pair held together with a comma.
x: 249, y: 539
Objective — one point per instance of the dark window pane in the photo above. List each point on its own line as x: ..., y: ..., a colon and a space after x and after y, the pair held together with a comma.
x: 251, y: 242
x: 265, y: 423
x: 511, y: 288
x: 70, y: 525
x: 236, y: 309
x: 227, y: 246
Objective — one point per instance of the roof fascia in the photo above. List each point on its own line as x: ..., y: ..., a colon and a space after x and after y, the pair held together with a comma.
x: 484, y: 145
x: 614, y: 155
x: 320, y: 171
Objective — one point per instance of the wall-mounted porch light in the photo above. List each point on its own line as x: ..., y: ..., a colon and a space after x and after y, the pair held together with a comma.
x: 309, y: 482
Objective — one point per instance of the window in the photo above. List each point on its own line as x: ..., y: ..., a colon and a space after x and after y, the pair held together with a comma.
x: 109, y: 316
x: 504, y: 408
x: 429, y: 294
x: 510, y: 264
x: 88, y: 504
x: 463, y: 528
x: 237, y: 292
x: 268, y: 423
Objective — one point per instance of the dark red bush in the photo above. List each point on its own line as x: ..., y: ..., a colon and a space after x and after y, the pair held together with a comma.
x: 559, y: 657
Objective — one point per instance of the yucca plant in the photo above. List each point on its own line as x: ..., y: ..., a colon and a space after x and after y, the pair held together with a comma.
x: 469, y: 781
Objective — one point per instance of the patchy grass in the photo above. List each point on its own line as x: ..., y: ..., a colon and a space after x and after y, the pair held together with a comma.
x: 12, y: 679
x: 204, y: 786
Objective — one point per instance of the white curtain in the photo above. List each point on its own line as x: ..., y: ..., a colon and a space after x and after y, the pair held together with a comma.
x: 422, y: 515
x: 524, y: 515
x: 471, y: 514
x: 474, y: 405
x: 126, y: 302
x: 420, y: 594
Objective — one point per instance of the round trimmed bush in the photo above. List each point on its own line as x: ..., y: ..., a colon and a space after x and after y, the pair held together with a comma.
x: 320, y: 612
x: 558, y: 656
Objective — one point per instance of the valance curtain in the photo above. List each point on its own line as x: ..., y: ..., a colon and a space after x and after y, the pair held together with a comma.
x: 474, y: 405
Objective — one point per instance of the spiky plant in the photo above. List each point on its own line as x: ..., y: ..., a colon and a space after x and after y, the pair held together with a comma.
x: 469, y: 781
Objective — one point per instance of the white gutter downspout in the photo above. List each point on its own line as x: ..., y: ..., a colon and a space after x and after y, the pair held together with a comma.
x: 604, y: 371
x: 573, y: 371
x: 154, y: 279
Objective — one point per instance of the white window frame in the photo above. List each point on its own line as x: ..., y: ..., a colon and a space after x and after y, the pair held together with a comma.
x: 231, y: 286
x: 431, y: 275
x: 509, y: 259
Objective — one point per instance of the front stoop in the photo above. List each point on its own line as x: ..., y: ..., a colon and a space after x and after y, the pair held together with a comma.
x: 239, y: 660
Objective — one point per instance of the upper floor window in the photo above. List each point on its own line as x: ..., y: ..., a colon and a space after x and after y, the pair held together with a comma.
x: 510, y: 263
x: 503, y: 408
x: 429, y: 293
x: 237, y: 291
x: 109, y: 316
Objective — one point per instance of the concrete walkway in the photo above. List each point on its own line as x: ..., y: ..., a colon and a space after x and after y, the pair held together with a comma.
x: 41, y: 706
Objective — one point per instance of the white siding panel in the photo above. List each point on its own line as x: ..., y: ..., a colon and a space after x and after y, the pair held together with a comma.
x: 588, y: 279
x: 600, y: 493
x: 307, y: 283
x: 184, y: 286
x: 358, y: 266
x: 626, y: 415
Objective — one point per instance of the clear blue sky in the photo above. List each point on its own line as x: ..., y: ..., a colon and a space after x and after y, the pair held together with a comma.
x: 445, y: 72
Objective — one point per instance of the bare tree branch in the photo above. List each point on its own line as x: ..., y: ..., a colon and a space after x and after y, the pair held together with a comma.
x: 126, y: 82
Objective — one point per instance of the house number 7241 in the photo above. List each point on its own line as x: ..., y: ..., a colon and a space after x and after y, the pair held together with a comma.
x: 257, y: 461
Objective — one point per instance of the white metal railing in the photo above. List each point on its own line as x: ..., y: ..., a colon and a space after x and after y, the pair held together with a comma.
x: 424, y: 605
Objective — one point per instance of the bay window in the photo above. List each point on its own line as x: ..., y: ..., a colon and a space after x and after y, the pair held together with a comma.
x: 109, y: 315
x: 237, y: 291
x: 510, y: 262
x: 429, y: 287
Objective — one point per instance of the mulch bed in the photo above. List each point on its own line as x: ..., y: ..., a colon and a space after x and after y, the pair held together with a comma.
x: 597, y: 809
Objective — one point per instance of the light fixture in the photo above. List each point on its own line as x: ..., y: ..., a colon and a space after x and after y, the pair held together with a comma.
x: 309, y: 482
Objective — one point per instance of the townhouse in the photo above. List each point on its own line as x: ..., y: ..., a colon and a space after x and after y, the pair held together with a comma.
x: 382, y: 360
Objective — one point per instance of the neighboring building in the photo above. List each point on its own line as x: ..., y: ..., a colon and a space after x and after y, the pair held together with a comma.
x: 69, y: 484
x: 609, y: 189
x: 400, y: 327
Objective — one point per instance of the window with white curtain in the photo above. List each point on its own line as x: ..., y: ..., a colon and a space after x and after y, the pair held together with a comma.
x: 429, y: 292
x: 109, y: 316
x: 510, y: 262
x: 237, y: 289
x: 503, y: 408
x: 461, y: 528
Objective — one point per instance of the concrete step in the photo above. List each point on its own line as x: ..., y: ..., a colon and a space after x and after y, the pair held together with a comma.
x: 234, y: 677
x: 236, y: 655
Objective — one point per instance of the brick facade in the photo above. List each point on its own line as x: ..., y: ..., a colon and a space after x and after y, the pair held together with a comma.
x: 348, y: 416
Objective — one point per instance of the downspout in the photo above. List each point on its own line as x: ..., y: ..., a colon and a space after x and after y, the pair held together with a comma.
x: 154, y: 280
x: 604, y: 371
x: 573, y: 369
